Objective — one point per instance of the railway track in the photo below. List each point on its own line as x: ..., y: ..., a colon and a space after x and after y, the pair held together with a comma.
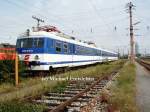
x: 146, y: 64
x: 78, y: 96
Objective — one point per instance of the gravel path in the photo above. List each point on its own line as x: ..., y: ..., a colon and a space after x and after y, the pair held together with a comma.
x: 143, y: 88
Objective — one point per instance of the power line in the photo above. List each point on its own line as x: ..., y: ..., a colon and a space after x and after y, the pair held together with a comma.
x: 20, y: 5
x: 104, y: 20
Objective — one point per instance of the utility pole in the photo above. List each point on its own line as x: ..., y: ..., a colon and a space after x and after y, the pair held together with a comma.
x: 145, y: 52
x: 91, y: 30
x: 132, y: 54
x: 38, y: 21
x: 72, y: 31
x: 118, y: 53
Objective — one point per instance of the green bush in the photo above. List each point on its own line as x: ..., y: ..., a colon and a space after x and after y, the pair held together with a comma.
x: 7, y: 70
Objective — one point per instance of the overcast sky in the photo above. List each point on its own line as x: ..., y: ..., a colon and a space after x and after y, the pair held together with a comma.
x: 102, y: 16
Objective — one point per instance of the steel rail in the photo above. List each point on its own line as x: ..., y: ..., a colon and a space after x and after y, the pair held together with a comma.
x: 144, y: 63
x: 63, y: 105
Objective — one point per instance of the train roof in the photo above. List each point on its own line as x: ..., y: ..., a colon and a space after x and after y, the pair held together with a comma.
x: 108, y: 51
x: 61, y: 37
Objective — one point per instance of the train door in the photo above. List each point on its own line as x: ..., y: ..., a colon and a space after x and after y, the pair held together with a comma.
x: 72, y: 51
x: 100, y: 55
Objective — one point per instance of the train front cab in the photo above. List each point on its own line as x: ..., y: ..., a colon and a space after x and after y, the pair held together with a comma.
x: 30, y: 50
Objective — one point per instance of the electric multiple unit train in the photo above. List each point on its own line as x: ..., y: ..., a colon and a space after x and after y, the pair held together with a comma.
x: 48, y: 49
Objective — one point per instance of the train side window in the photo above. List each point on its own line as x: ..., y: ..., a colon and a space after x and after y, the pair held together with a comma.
x: 70, y: 48
x: 65, y: 46
x: 50, y: 43
x: 103, y: 53
x: 58, y: 47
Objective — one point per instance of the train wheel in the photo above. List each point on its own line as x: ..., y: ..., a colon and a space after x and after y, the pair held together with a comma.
x: 66, y: 69
x: 51, y: 70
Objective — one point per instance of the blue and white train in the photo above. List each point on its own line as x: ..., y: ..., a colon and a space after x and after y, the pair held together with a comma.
x: 46, y: 50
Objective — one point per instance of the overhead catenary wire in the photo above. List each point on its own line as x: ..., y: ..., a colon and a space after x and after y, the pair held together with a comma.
x: 104, y: 22
x: 21, y: 5
x: 68, y: 21
x: 25, y: 2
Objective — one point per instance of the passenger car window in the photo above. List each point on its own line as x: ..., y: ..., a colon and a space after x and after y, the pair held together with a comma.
x: 65, y: 48
x: 58, y: 47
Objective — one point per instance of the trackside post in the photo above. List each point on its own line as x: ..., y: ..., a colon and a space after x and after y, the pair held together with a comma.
x: 16, y: 70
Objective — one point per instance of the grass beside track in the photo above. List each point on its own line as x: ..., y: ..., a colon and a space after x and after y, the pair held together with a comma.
x: 20, y: 107
x: 35, y: 87
x: 124, y: 90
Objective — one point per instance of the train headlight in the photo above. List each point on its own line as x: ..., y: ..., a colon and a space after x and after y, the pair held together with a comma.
x: 36, y: 57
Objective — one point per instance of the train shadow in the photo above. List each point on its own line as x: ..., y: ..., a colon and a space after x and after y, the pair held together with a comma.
x: 52, y: 72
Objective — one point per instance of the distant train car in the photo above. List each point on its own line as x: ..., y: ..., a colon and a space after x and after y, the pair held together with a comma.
x: 7, y: 52
x: 47, y: 49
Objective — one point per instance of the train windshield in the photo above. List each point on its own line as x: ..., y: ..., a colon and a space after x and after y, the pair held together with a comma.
x: 30, y: 43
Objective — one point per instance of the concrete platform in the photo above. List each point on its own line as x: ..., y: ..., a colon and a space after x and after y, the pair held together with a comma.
x: 143, y: 88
